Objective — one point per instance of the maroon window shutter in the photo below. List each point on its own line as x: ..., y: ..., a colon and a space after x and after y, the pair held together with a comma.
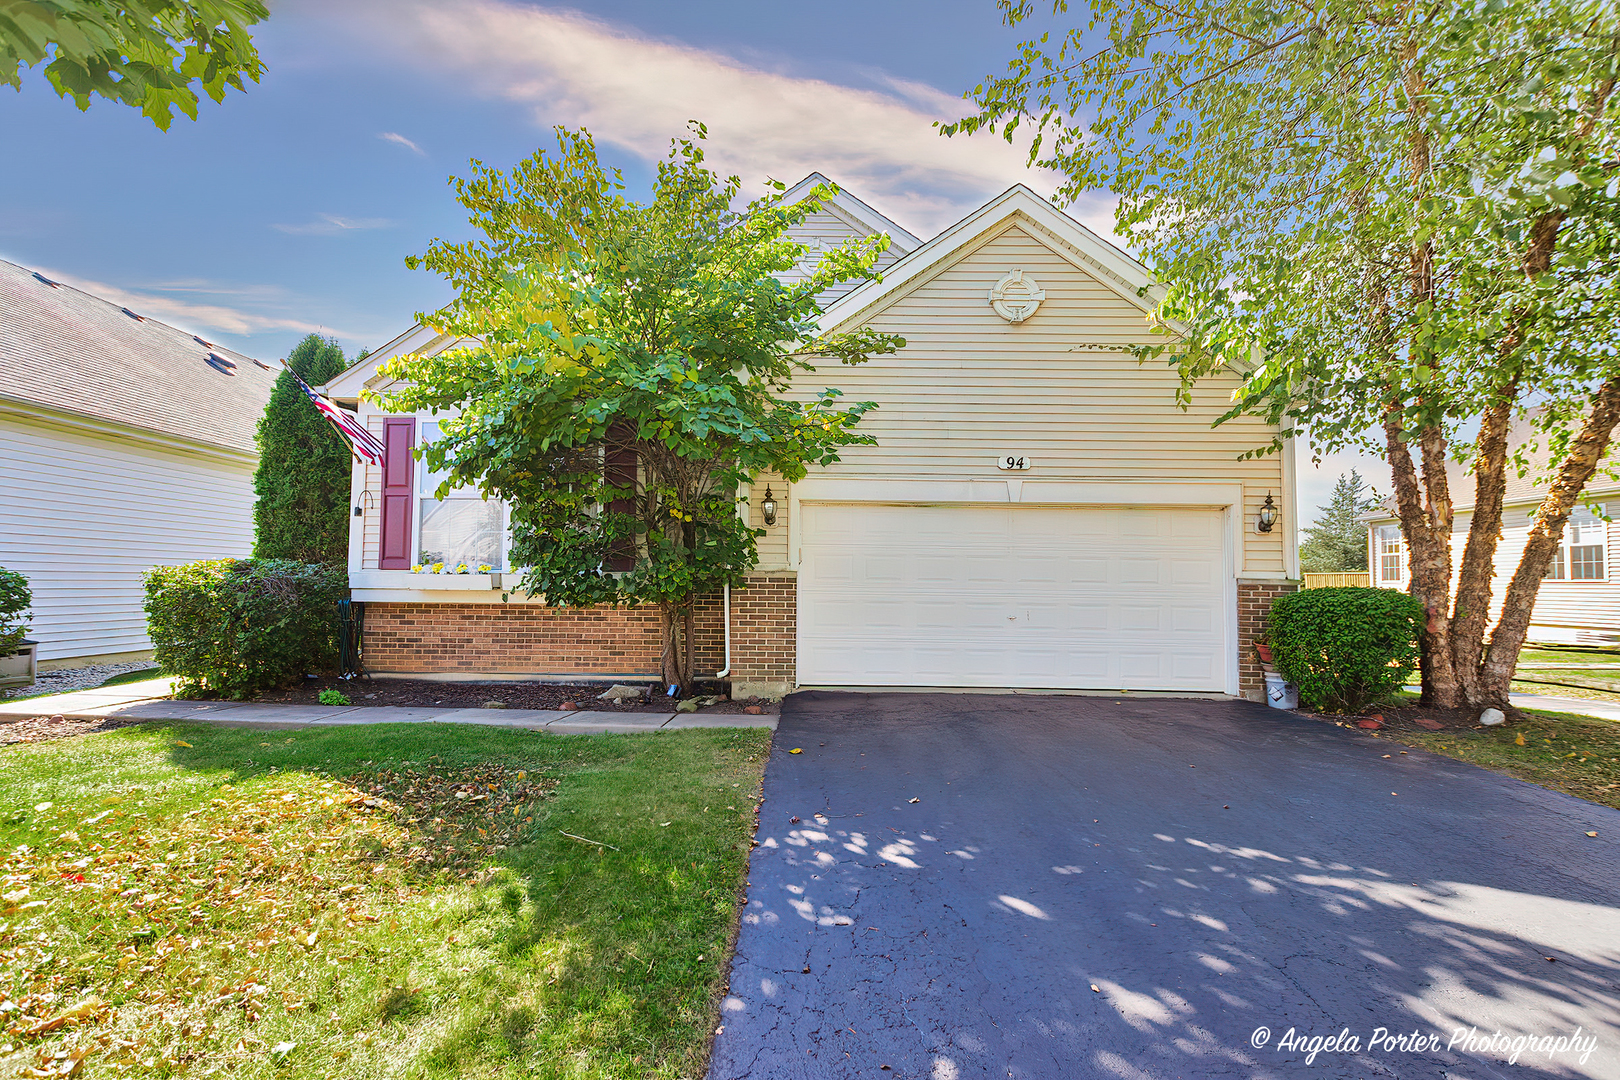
x: 619, y: 470
x: 399, y: 434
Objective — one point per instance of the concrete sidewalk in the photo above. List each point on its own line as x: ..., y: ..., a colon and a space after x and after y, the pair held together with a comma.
x: 148, y: 701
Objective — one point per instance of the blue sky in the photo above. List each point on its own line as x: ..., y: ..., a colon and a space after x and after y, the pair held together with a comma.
x: 291, y: 208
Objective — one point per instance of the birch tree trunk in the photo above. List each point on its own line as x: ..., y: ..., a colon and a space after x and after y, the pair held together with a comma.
x: 1428, y: 539
x: 1472, y: 607
x: 1496, y: 673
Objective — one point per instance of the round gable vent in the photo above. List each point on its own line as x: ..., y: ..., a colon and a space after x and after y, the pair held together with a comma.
x: 1016, y: 296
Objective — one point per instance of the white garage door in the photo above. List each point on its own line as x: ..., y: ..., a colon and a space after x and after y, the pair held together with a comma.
x: 1012, y: 596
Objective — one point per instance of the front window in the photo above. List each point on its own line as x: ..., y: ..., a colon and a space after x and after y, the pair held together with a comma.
x: 463, y: 528
x: 1391, y: 552
x: 1582, y: 556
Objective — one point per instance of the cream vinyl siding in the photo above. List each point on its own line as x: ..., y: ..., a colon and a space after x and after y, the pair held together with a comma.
x: 773, y: 546
x: 86, y: 515
x: 371, y: 530
x: 969, y: 387
x: 828, y: 229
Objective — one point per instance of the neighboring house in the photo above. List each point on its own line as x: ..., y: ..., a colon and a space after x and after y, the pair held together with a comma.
x: 1121, y: 551
x: 1579, y: 600
x: 124, y: 444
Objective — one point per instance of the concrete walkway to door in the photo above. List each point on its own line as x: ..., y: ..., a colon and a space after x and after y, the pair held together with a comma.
x: 959, y: 886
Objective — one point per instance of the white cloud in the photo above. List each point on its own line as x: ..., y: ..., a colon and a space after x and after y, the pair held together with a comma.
x: 635, y: 93
x: 396, y: 137
x: 188, y: 315
x: 334, y: 225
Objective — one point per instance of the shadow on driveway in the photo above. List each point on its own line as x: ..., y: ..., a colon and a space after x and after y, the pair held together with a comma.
x: 1116, y: 887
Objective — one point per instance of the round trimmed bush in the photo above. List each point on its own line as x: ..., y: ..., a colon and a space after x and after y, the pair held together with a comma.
x: 1345, y: 648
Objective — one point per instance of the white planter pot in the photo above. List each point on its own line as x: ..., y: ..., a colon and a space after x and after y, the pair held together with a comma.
x: 1280, y: 693
x: 18, y: 669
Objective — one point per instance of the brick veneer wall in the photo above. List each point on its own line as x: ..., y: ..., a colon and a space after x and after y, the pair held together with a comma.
x: 764, y: 632
x: 1254, y: 604
x: 511, y: 639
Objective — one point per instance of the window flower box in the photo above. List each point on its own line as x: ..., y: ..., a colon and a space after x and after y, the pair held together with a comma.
x: 21, y: 666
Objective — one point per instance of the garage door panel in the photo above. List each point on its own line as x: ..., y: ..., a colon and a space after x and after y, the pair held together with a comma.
x: 1138, y: 571
x: 1007, y: 595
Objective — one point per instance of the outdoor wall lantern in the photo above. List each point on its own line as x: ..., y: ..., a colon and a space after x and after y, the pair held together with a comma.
x: 365, y: 500
x: 768, y: 507
x: 1268, y: 515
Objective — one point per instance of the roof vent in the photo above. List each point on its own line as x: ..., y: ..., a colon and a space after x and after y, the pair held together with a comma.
x: 222, y: 364
x: 41, y: 277
x: 200, y: 341
x: 131, y: 314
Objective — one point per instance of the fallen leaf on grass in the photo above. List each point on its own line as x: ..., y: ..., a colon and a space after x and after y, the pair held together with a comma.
x: 182, y: 742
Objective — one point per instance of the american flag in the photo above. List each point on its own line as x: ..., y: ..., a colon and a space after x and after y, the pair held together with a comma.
x: 361, y: 441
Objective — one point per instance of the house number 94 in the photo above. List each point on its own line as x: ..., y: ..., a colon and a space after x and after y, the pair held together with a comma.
x: 1015, y: 462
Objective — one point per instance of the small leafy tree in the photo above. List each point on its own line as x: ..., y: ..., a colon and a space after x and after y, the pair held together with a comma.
x: 15, y: 600
x: 1336, y: 543
x: 632, y: 373
x: 302, y: 482
x: 148, y: 54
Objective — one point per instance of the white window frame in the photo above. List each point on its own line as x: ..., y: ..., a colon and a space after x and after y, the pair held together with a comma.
x: 1582, y: 519
x: 1388, y: 541
x: 423, y: 494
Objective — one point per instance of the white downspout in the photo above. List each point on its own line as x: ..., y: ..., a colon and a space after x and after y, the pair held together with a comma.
x: 723, y: 672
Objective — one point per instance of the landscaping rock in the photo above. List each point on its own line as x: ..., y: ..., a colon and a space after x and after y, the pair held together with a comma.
x: 753, y: 710
x: 620, y: 692
x: 568, y: 706
x: 1492, y: 717
x: 493, y: 705
x: 687, y: 705
x: 1369, y: 725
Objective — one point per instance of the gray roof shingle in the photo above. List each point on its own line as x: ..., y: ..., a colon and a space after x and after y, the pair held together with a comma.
x: 67, y: 350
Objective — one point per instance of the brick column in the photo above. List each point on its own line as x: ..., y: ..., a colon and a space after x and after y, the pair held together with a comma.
x: 1254, y: 604
x: 764, y: 635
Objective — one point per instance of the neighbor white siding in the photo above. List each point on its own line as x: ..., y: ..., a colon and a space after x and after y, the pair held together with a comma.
x: 1565, y: 610
x: 969, y: 387
x: 84, y: 515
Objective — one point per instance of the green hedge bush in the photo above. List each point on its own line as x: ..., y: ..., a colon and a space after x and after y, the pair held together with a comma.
x: 1345, y: 648
x: 234, y: 627
x: 15, y: 600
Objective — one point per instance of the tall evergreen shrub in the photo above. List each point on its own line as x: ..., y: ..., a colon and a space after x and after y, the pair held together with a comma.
x: 302, y: 483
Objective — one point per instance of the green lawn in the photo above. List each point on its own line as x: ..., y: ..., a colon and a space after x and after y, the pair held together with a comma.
x: 135, y: 676
x: 1579, y: 755
x: 388, y: 901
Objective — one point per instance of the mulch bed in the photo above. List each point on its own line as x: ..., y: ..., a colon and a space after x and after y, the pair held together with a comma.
x: 1398, y: 718
x: 469, y: 695
x: 44, y: 728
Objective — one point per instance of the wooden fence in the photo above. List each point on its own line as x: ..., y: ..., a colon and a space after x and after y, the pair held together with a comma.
x: 1327, y: 581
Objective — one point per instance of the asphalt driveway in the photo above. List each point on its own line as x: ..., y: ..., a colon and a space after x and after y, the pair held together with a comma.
x: 1049, y: 886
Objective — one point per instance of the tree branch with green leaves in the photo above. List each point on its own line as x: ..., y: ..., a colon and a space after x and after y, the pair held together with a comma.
x: 638, y: 364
